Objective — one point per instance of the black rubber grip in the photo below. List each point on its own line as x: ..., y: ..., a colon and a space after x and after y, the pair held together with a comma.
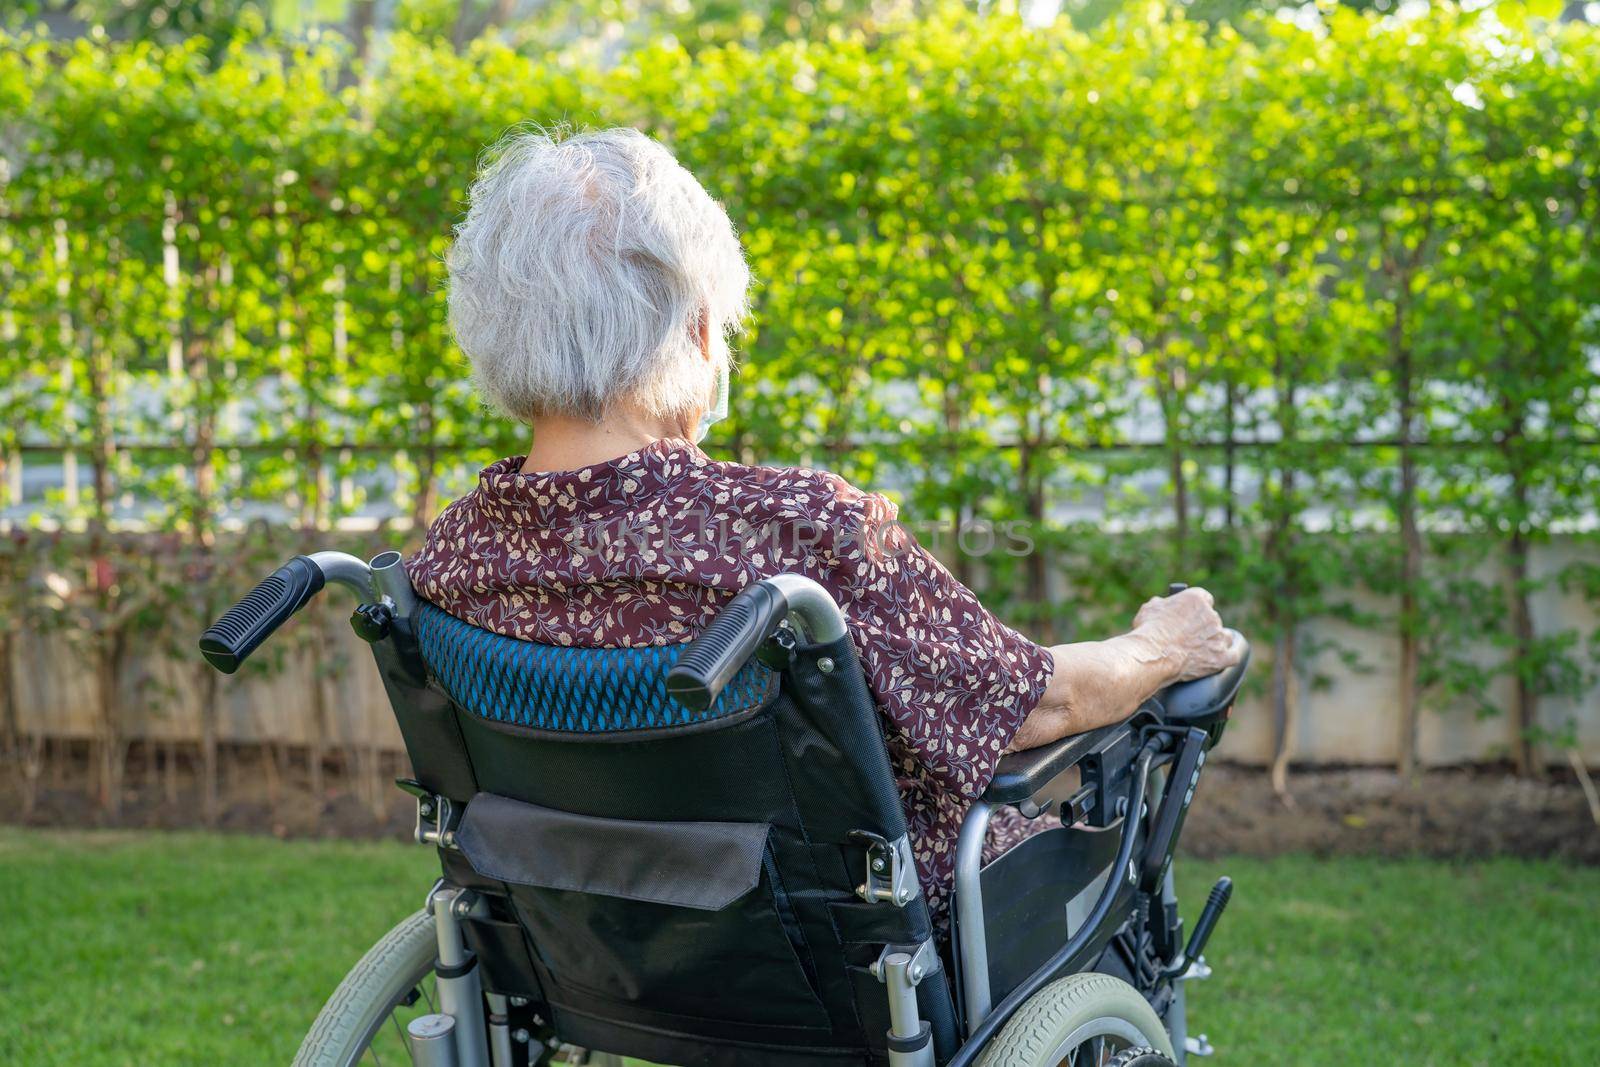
x: 242, y: 628
x: 446, y: 971
x: 1221, y: 893
x: 915, y: 1043
x: 715, y: 656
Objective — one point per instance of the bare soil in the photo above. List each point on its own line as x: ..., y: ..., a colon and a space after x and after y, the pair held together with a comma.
x: 1465, y: 812
x: 260, y: 792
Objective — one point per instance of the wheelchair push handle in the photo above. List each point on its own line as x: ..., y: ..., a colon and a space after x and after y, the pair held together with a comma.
x: 743, y: 626
x: 715, y: 656
x: 241, y: 629
x: 229, y: 641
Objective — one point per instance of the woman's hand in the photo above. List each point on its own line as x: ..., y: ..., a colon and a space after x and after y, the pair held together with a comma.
x: 1187, y: 628
x: 1174, y: 639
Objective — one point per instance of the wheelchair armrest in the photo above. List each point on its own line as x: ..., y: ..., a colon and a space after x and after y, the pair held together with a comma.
x: 1022, y: 774
x: 1191, y: 703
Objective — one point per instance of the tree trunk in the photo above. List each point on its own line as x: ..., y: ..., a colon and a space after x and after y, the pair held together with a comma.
x: 425, y: 501
x: 1285, y: 694
x: 1410, y: 649
x: 23, y: 747
x: 318, y: 750
x: 466, y: 17
x: 476, y: 17
x: 169, y: 771
x: 1525, y: 701
x: 11, y: 738
x: 1038, y: 571
x: 362, y: 15
x: 1410, y: 554
x: 1281, y: 550
x: 1285, y: 703
x: 210, y: 805
x: 1525, y: 755
x: 271, y: 753
x: 960, y: 563
x: 111, y: 748
x: 107, y: 634
x: 1173, y: 405
x: 31, y: 752
x: 1229, y: 451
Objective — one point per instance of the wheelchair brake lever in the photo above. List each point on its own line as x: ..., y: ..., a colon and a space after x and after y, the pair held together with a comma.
x: 1221, y: 893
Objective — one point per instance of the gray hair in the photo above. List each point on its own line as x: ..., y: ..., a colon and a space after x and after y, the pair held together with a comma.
x: 584, y: 272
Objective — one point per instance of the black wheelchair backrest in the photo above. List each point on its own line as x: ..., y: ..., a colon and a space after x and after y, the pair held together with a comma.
x: 673, y: 883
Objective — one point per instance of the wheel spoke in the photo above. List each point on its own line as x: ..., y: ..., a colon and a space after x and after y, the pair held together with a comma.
x: 1095, y: 1052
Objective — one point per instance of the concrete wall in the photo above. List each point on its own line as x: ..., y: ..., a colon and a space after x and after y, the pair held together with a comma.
x: 1350, y: 721
x: 1353, y: 719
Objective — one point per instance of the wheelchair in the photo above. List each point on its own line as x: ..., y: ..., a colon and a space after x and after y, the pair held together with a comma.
x: 695, y: 854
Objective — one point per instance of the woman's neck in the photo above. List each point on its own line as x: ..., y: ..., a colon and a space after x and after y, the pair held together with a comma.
x: 562, y: 443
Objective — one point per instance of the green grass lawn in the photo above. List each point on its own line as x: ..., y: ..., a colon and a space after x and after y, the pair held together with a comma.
x: 146, y: 949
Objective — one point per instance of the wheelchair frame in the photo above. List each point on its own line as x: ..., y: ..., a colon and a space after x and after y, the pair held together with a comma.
x: 461, y: 1034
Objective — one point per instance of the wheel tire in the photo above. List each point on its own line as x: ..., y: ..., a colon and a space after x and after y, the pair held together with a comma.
x: 1140, y: 1057
x: 389, y: 970
x: 1049, y: 1017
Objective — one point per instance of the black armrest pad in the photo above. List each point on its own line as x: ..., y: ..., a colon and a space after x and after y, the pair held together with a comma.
x: 1022, y: 774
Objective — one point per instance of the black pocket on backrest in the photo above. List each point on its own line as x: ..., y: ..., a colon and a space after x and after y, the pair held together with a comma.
x: 676, y: 918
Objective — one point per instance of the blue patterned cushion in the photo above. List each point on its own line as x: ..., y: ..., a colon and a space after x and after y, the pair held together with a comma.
x: 576, y: 690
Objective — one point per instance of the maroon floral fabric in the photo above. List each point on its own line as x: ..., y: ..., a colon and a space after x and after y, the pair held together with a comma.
x: 645, y: 549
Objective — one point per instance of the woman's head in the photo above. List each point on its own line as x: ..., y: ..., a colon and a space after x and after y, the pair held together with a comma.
x: 593, y: 272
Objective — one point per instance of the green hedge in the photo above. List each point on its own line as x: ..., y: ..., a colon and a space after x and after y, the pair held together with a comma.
x: 1292, y: 313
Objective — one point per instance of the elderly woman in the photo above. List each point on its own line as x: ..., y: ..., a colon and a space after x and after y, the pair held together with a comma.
x: 594, y: 286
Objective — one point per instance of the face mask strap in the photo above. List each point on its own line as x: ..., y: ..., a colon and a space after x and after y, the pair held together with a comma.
x: 719, y: 407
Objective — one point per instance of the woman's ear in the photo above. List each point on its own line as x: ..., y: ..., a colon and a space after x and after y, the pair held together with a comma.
x: 702, y: 333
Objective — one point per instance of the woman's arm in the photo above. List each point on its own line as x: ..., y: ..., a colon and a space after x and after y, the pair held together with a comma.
x: 1173, y: 639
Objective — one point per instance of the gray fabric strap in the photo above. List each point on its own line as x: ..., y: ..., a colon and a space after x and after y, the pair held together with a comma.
x: 703, y: 865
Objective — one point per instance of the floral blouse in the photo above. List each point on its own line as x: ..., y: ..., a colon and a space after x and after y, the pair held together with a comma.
x: 644, y: 550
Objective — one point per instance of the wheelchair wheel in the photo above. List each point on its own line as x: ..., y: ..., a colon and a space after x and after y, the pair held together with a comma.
x: 1140, y: 1057
x: 1083, y: 1020
x: 365, y: 1019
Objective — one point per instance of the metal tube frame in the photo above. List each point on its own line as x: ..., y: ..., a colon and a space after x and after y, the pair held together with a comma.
x: 431, y: 1041
x: 461, y: 996
x: 812, y: 609
x: 1122, y: 868
x: 499, y: 1029
x: 384, y: 578
x: 971, y: 935
x: 900, y: 972
x: 341, y: 568
x: 389, y: 579
x: 1177, y: 1011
